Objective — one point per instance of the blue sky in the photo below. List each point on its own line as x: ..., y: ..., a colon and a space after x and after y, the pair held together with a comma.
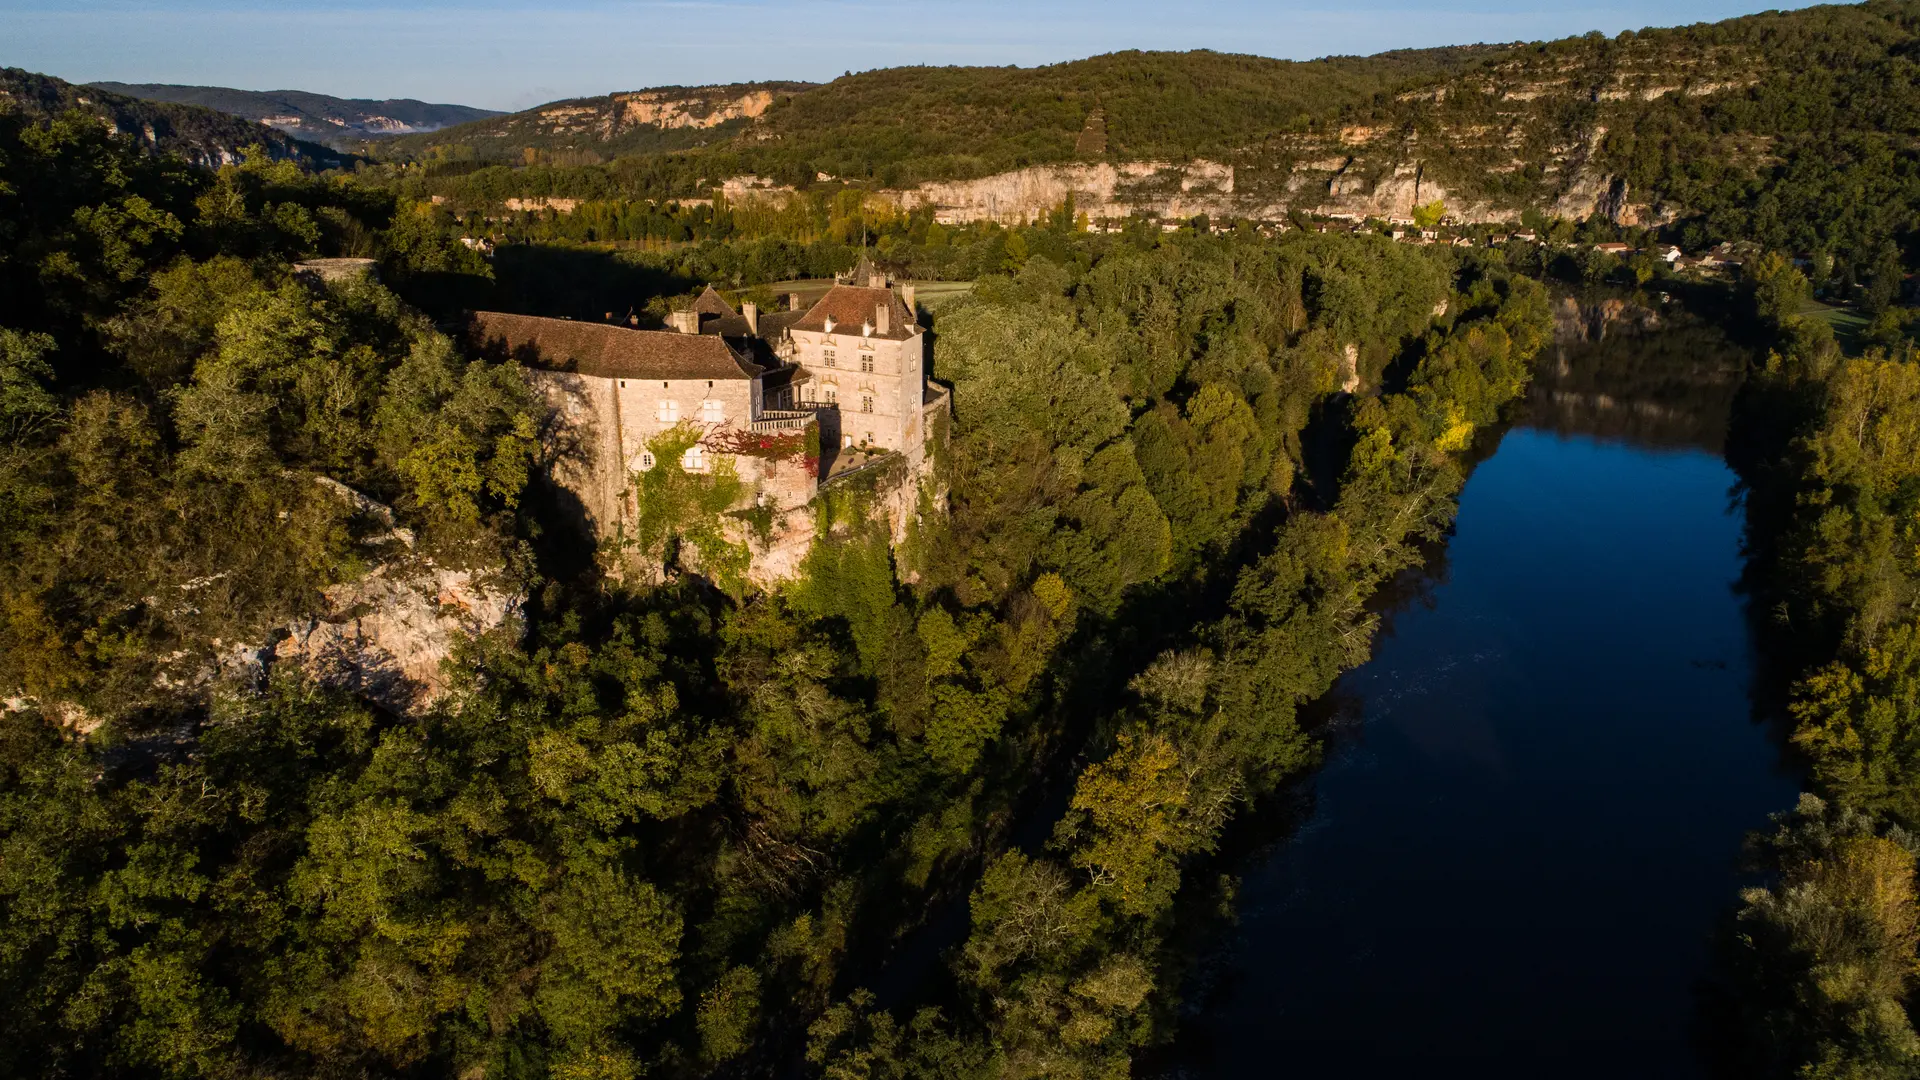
x: 510, y: 54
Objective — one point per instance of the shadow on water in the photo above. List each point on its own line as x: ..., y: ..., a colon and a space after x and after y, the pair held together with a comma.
x: 1519, y: 943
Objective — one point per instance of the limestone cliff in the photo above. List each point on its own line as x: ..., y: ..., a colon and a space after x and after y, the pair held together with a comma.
x: 387, y: 635
x: 638, y: 120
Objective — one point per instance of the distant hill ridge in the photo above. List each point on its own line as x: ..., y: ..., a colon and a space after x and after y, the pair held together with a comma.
x: 317, y: 117
x: 203, y: 136
x: 906, y: 124
x: 1753, y: 126
x: 655, y: 119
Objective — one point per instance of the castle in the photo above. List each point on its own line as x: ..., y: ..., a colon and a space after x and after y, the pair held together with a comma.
x: 792, y: 399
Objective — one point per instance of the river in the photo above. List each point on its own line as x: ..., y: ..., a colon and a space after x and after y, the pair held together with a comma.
x: 1529, y: 821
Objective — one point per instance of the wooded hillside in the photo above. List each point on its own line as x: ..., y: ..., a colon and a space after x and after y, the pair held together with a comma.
x: 201, y: 136
x: 318, y: 117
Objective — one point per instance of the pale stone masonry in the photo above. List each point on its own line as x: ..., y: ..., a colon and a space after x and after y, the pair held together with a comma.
x: 851, y: 367
x: 867, y: 355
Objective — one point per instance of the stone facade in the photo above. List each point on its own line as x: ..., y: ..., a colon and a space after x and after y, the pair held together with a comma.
x: 867, y: 357
x: 788, y: 398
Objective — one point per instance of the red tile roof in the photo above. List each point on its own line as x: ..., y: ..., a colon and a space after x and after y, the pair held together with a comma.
x: 606, y: 351
x: 851, y: 305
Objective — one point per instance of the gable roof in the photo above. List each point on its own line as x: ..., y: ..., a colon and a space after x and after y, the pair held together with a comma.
x: 851, y: 305
x: 712, y: 303
x: 607, y: 351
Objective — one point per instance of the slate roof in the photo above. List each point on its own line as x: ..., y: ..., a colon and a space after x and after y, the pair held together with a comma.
x: 787, y: 376
x: 863, y: 271
x: 775, y: 323
x: 607, y: 351
x: 772, y: 324
x: 851, y: 305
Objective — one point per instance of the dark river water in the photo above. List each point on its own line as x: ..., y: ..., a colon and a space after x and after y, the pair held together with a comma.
x: 1530, y: 817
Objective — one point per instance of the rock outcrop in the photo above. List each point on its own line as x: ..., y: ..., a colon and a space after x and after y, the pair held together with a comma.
x: 1171, y: 191
x: 387, y: 635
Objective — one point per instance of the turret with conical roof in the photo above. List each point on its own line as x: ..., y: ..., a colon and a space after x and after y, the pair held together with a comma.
x: 864, y: 275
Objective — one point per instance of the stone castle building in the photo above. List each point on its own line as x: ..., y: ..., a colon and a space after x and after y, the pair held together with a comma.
x: 792, y: 399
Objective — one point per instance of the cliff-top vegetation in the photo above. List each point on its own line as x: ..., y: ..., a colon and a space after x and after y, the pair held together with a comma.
x: 662, y: 827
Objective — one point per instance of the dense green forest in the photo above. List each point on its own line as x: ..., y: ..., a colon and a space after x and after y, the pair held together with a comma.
x: 664, y: 828
x: 690, y: 829
x: 1821, y: 957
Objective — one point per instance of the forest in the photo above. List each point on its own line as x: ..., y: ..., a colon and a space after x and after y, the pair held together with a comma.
x: 668, y: 828
x: 952, y: 807
x: 1820, y: 958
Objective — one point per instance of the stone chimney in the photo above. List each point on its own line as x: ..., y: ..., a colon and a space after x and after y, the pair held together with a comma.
x: 829, y: 324
x: 883, y: 317
x: 876, y: 280
x: 687, y: 322
x: 793, y: 301
x: 906, y: 297
x: 751, y: 312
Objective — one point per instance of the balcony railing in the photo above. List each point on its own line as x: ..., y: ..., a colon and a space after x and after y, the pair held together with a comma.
x: 781, y: 420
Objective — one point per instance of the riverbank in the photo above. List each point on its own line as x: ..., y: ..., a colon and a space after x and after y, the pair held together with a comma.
x: 1529, y: 823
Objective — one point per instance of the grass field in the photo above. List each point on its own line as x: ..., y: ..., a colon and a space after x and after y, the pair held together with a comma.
x: 1849, y: 326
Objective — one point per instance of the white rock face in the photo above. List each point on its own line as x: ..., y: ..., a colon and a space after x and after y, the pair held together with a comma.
x: 386, y: 636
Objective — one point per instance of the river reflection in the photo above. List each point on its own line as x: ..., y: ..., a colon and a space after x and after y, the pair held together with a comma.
x: 1535, y: 792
